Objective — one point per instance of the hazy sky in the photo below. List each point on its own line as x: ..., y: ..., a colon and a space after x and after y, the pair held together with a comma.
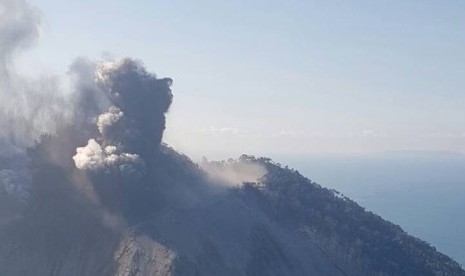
x: 281, y: 77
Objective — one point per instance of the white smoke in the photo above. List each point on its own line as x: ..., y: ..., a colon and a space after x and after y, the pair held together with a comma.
x: 109, y: 159
x: 233, y: 172
x: 109, y: 124
x: 28, y: 107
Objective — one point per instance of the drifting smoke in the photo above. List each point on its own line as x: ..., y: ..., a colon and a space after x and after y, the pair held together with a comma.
x: 32, y: 108
x: 19, y: 28
x: 28, y: 108
x: 87, y: 99
x: 233, y: 172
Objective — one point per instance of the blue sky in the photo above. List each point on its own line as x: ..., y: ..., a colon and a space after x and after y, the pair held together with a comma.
x: 282, y: 77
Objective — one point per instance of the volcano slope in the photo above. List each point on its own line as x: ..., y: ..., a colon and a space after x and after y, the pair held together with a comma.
x: 104, y: 196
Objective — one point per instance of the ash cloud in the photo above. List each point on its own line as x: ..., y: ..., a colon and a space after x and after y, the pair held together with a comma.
x: 132, y: 128
x: 141, y: 97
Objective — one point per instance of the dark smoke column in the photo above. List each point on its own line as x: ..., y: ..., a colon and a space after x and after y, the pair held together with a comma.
x: 130, y: 133
x: 132, y: 129
x: 142, y: 98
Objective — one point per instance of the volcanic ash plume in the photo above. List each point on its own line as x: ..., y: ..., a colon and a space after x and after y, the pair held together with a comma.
x: 142, y: 98
x: 131, y: 130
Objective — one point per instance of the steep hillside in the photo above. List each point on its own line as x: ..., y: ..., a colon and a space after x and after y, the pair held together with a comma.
x: 282, y: 224
x: 360, y: 242
x: 103, y: 196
